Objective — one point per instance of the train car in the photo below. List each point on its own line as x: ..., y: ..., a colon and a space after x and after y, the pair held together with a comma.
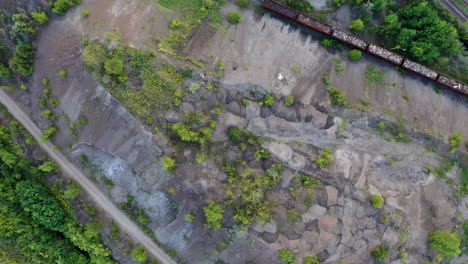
x: 280, y: 9
x: 453, y: 84
x: 385, y: 54
x: 350, y: 39
x: 420, y: 69
x: 314, y: 23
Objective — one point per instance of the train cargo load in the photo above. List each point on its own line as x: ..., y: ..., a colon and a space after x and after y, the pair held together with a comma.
x: 418, y: 68
x: 385, y: 54
x: 280, y: 9
x: 453, y: 84
x: 350, y: 39
x: 315, y: 24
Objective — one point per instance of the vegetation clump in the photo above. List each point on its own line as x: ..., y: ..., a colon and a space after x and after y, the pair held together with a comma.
x: 169, y: 164
x: 268, y: 100
x: 337, y: 96
x: 287, y: 256
x: 214, y: 214
x: 377, y: 201
x: 354, y: 55
x: 301, y: 5
x: 289, y: 100
x: 23, y: 59
x: 311, y: 260
x: 356, y: 25
x: 380, y: 253
x: 243, y: 3
x: 325, y: 158
x: 445, y: 243
x: 455, y: 139
x: 139, y: 254
x: 234, y: 17
x: 40, y: 16
x: 62, y: 6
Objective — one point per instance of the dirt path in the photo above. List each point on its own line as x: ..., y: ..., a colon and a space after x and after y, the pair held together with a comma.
x: 99, y: 198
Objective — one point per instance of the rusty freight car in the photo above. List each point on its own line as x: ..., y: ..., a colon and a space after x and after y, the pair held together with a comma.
x: 420, y: 69
x: 350, y: 39
x: 385, y: 54
x: 453, y: 84
x: 315, y: 24
x: 280, y: 9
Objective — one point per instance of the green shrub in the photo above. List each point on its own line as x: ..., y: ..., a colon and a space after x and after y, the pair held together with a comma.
x: 139, y: 254
x: 234, y: 17
x: 337, y: 96
x: 310, y: 182
x: 62, y: 6
x: 72, y: 191
x: 5, y: 72
x: 235, y: 134
x: 114, y: 66
x: 301, y: 5
x: 273, y: 174
x: 268, y: 100
x: 445, y: 243
x: 356, y: 25
x: 243, y: 3
x: 200, y: 158
x: 455, y: 139
x: 175, y: 24
x: 245, y: 102
x: 40, y: 17
x: 189, y: 217
x: 23, y: 59
x: 339, y: 3
x: 325, y: 158
x: 381, y: 125
x: 311, y: 260
x: 327, y: 42
x: 354, y: 55
x: 262, y: 154
x: 213, y: 214
x: 377, y: 201
x: 149, y: 120
x: 380, y: 253
x: 63, y: 73
x: 287, y: 256
x: 221, y: 64
x: 289, y: 100
x: 23, y: 24
x: 169, y: 164
x: 85, y: 13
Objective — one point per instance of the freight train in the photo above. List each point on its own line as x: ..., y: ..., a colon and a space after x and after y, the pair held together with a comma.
x: 371, y: 48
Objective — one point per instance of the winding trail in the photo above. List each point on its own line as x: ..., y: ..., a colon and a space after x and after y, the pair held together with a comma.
x: 122, y: 220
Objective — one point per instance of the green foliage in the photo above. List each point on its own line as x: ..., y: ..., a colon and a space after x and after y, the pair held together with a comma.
x: 339, y: 3
x: 310, y: 182
x: 168, y: 164
x: 48, y: 166
x: 188, y: 132
x: 262, y: 154
x: 23, y: 59
x: 40, y: 17
x: 445, y: 243
x: 234, y: 17
x: 356, y: 25
x: 72, y: 191
x: 381, y: 125
x: 213, y: 214
x: 273, y: 174
x: 354, y: 55
x: 419, y: 30
x: 149, y: 120
x: 62, y: 6
x: 175, y: 24
x: 301, y: 5
x: 243, y: 3
x: 85, y: 13
x: 326, y: 78
x: 380, y: 253
x: 287, y: 256
x: 268, y: 100
x: 235, y: 134
x: 373, y: 77
x: 325, y: 158
x: 63, y: 73
x: 49, y: 133
x: 377, y: 201
x: 327, y: 42
x: 139, y: 254
x: 311, y: 260
x: 455, y: 139
x: 200, y: 158
x: 5, y: 72
x: 114, y: 65
x: 221, y: 64
x: 289, y: 100
x: 189, y: 217
x: 245, y: 102
x: 23, y: 24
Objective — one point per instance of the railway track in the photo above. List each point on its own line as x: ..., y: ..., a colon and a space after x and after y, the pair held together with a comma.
x: 456, y: 10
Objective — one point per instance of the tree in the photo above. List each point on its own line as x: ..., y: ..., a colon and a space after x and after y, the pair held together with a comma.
x: 213, y: 214
x: 354, y: 55
x: 234, y: 17
x: 48, y: 166
x: 23, y: 24
x: 114, y: 66
x: 287, y: 256
x: 23, y: 59
x: 93, y: 57
x: 380, y: 253
x: 5, y: 72
x: 301, y: 5
x: 445, y: 243
x: 139, y: 254
x: 356, y: 25
x: 62, y: 6
x: 40, y: 17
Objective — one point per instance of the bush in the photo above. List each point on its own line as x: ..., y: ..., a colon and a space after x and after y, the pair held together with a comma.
x: 268, y: 100
x: 445, y: 243
x: 287, y: 256
x: 5, y: 72
x: 72, y: 191
x: 85, y: 13
x: 63, y: 73
x: 327, y: 42
x: 455, y: 139
x: 234, y: 17
x: 23, y: 59
x: 339, y: 3
x: 189, y: 217
x: 356, y: 25
x: 289, y: 100
x: 337, y: 96
x: 139, y: 254
x: 214, y: 214
x: 168, y: 164
x: 377, y: 201
x: 311, y: 260
x: 325, y: 158
x: 243, y: 3
x: 235, y: 134
x: 175, y: 24
x: 301, y: 5
x: 23, y: 24
x: 40, y: 17
x: 380, y: 253
x: 354, y: 55
x: 149, y: 120
x: 62, y: 6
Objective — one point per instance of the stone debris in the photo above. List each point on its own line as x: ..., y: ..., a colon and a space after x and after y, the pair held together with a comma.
x: 350, y: 39
x: 385, y: 53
